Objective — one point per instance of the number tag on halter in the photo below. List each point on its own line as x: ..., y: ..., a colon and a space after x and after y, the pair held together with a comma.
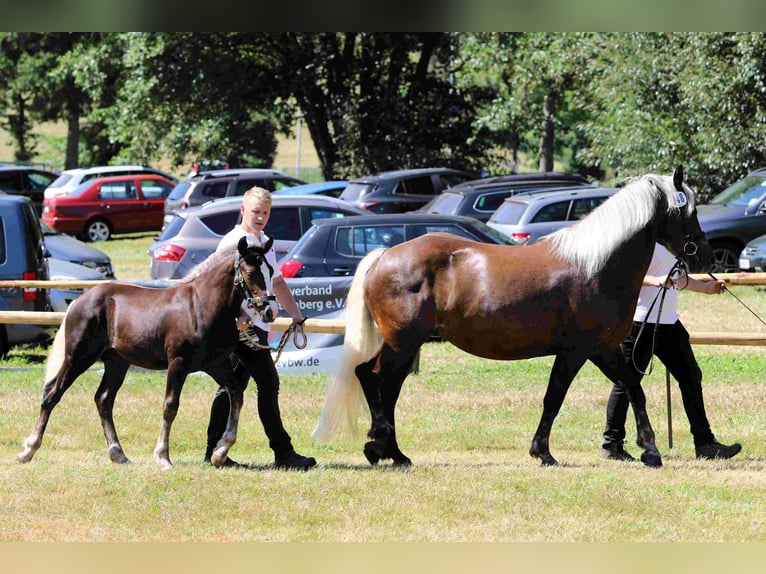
x: 681, y: 199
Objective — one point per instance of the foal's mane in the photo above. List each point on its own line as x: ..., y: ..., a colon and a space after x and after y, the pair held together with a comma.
x: 589, y: 243
x: 210, y: 262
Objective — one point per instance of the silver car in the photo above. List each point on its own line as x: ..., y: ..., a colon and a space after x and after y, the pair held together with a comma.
x: 527, y: 217
x: 194, y: 233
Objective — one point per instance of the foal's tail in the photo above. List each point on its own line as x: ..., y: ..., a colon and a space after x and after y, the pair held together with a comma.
x: 56, y: 352
x: 344, y: 399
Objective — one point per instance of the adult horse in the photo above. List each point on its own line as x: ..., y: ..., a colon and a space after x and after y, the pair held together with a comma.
x: 184, y: 328
x: 572, y: 296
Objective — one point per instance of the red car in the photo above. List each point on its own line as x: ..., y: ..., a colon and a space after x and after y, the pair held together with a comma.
x: 99, y: 208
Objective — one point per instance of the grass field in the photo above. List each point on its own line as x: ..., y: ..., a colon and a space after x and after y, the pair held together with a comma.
x: 466, y: 423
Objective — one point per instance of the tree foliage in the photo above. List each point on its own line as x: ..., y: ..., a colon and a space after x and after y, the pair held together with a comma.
x: 605, y: 104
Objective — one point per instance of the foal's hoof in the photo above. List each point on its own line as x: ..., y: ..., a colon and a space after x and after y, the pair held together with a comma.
x: 373, y: 452
x: 651, y: 459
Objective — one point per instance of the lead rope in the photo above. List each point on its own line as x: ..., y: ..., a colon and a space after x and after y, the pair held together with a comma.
x: 295, y: 329
x: 678, y: 266
x: 299, y: 338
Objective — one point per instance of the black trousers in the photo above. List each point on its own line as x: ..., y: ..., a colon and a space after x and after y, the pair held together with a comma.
x: 672, y: 347
x: 258, y: 364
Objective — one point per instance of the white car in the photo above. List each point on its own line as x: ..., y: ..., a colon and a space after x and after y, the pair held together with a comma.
x: 71, y: 178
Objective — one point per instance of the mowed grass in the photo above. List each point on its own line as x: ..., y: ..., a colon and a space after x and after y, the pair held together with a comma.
x: 466, y: 423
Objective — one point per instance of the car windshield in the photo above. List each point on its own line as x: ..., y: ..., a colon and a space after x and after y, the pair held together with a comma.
x: 61, y: 180
x: 742, y: 192
x: 509, y: 213
x: 179, y: 190
x: 77, y: 191
x: 444, y: 203
x: 355, y: 190
x: 173, y: 228
x: 498, y: 236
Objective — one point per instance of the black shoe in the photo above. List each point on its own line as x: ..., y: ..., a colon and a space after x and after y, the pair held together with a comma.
x: 715, y: 449
x: 291, y: 460
x: 616, y: 451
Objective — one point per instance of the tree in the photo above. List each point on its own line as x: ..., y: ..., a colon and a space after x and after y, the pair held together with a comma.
x: 659, y: 100
x: 375, y: 101
x: 195, y: 95
x: 538, y: 79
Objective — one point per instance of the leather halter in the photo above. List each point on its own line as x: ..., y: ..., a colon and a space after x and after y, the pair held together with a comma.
x: 255, y: 302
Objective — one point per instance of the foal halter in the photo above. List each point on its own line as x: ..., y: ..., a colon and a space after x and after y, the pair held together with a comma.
x: 255, y: 302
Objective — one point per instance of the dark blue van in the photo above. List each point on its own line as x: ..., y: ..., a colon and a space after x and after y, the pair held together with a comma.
x: 22, y: 256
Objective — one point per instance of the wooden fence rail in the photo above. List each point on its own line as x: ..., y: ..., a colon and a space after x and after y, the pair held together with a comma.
x: 334, y: 326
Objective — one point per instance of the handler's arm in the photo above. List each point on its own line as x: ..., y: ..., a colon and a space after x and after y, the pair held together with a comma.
x: 286, y: 299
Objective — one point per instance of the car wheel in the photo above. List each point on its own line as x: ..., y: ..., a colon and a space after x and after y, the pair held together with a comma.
x: 97, y: 230
x: 725, y: 257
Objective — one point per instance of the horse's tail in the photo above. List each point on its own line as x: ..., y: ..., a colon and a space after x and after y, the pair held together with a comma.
x: 56, y: 352
x: 344, y: 399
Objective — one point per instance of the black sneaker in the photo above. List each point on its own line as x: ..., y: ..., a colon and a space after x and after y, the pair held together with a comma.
x: 291, y: 460
x: 715, y: 449
x: 616, y: 451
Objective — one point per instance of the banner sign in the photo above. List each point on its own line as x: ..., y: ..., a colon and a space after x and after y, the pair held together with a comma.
x: 317, y: 297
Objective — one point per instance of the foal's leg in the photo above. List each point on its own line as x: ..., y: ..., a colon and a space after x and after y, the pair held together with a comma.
x: 612, y: 364
x: 225, y: 377
x: 115, y: 369
x: 53, y: 390
x: 565, y: 367
x: 174, y: 383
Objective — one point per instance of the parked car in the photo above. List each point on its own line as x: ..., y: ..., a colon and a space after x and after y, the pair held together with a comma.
x: 334, y: 247
x: 733, y: 218
x: 106, y: 206
x: 481, y: 197
x: 67, y: 248
x: 330, y: 188
x: 211, y: 185
x: 27, y: 181
x: 528, y: 216
x: 61, y: 270
x: 402, y: 190
x: 194, y: 233
x: 22, y: 256
x: 71, y: 179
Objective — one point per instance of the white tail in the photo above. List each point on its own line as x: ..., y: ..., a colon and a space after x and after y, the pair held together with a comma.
x: 56, y: 352
x: 344, y: 399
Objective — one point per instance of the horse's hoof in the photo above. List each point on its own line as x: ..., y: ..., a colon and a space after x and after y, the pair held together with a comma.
x: 117, y: 456
x: 651, y: 459
x: 402, y: 462
x: 548, y: 461
x: 372, y: 453
x: 25, y: 456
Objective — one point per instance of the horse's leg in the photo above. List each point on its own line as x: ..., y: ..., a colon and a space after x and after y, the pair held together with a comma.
x: 565, y: 367
x: 174, y: 383
x: 115, y: 369
x: 613, y: 365
x: 381, y: 379
x: 53, y: 390
x: 225, y: 377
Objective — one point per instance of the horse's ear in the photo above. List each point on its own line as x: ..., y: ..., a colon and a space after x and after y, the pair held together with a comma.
x: 242, y: 245
x: 268, y: 245
x: 678, y: 178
